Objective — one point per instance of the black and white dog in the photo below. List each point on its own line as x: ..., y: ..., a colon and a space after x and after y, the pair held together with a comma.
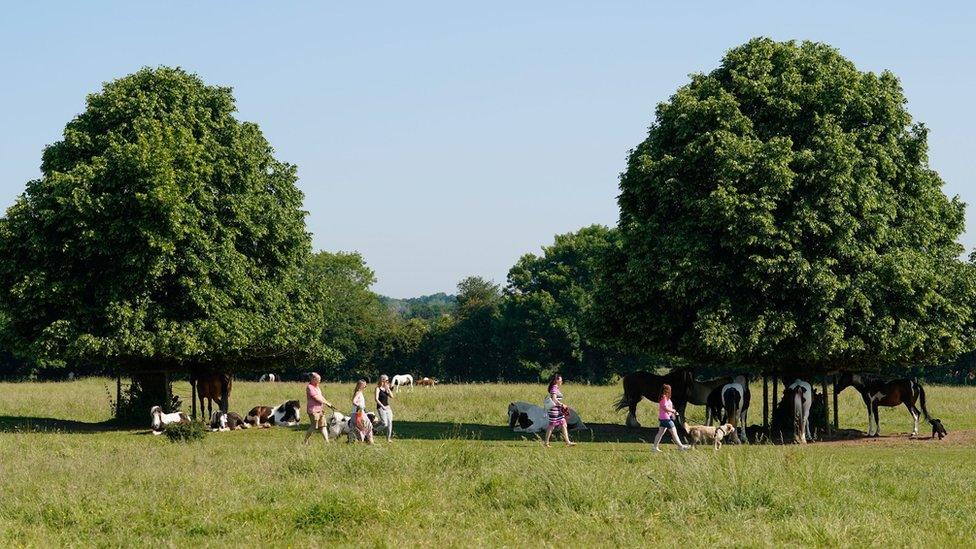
x: 227, y: 421
x: 283, y: 414
x: 340, y: 424
x: 937, y: 429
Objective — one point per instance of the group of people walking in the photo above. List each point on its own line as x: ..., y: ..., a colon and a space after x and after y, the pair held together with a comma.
x: 556, y: 409
x: 364, y: 427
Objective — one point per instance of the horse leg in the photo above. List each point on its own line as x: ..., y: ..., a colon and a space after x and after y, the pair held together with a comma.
x: 867, y: 406
x: 915, y: 415
x: 877, y: 420
x: 632, y: 414
x: 745, y: 421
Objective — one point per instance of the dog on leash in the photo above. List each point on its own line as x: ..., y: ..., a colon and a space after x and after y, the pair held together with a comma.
x: 703, y: 434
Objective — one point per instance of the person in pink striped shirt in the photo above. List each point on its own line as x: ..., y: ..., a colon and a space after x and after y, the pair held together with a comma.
x: 315, y: 403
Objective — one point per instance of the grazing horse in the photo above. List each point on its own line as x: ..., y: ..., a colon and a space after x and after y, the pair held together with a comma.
x: 401, y: 380
x: 638, y: 385
x: 731, y: 403
x: 802, y: 400
x: 212, y: 386
x: 876, y: 392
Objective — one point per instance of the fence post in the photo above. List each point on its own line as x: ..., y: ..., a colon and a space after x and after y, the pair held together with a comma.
x: 826, y: 407
x: 836, y: 422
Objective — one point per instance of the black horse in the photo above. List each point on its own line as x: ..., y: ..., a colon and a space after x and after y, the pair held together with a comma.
x: 638, y: 385
x: 877, y: 392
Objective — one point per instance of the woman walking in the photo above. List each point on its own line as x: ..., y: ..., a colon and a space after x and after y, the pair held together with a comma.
x: 665, y: 415
x: 362, y: 423
x: 382, y: 397
x: 315, y: 402
x: 558, y: 411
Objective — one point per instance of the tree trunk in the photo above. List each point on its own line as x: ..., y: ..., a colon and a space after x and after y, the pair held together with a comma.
x: 156, y: 388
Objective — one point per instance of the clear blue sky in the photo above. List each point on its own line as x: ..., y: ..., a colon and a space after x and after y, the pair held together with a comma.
x: 446, y: 140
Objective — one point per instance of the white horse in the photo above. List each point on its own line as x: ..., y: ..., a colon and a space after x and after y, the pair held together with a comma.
x: 400, y: 380
x: 161, y: 420
x: 802, y: 400
x: 268, y: 377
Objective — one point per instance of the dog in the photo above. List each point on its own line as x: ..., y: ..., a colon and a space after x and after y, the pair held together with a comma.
x: 227, y: 421
x: 698, y: 434
x: 161, y: 420
x: 284, y: 414
x: 340, y: 424
x: 938, y: 429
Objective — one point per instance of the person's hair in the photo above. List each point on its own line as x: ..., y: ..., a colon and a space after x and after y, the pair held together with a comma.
x: 665, y: 390
x: 313, y: 376
x: 361, y: 384
x: 552, y: 380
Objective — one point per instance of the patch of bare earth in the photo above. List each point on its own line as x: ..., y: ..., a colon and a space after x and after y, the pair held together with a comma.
x: 848, y: 437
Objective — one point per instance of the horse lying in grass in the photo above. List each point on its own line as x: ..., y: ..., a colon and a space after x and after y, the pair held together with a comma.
x: 876, y: 392
x: 160, y: 420
x: 525, y: 417
x: 227, y: 421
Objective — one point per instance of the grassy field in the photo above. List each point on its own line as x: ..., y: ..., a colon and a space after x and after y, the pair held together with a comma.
x: 456, y: 475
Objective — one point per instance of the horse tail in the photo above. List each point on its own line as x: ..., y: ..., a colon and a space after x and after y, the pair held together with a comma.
x: 921, y: 399
x: 624, y: 402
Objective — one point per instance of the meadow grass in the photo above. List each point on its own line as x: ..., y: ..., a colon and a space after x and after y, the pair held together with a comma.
x: 456, y: 475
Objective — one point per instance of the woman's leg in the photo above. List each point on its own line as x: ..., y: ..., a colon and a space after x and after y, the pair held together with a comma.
x: 389, y: 424
x: 312, y: 424
x: 566, y: 435
x: 549, y: 433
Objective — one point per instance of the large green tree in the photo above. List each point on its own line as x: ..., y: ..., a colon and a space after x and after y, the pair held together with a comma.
x: 549, y: 310
x: 782, y: 212
x: 162, y: 232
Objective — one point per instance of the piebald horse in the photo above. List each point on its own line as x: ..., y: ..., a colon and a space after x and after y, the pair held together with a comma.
x: 639, y: 385
x: 876, y: 392
x: 802, y: 393
x: 698, y: 392
x: 730, y: 402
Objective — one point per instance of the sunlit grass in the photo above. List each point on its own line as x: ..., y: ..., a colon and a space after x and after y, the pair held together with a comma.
x: 457, y: 476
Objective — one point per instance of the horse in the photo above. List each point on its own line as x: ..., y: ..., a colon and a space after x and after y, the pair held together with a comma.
x: 802, y: 400
x: 638, y: 385
x: 698, y: 392
x: 160, y: 420
x: 877, y: 392
x: 731, y: 403
x: 268, y: 377
x: 400, y: 380
x: 213, y: 386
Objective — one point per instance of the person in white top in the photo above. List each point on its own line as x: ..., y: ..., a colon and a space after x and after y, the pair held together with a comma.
x: 362, y: 423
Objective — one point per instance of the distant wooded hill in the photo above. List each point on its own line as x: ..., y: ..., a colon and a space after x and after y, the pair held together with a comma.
x: 425, y: 306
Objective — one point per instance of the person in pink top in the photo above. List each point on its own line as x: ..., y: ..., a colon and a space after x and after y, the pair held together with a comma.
x: 665, y: 415
x: 315, y: 403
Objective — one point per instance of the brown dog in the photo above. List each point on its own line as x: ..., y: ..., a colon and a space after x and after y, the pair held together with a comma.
x: 698, y: 434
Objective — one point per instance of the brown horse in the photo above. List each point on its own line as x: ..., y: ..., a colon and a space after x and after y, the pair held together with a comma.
x: 211, y: 385
x: 638, y: 385
x: 876, y: 392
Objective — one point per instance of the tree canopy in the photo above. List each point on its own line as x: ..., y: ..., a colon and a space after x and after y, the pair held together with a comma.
x: 549, y: 309
x: 782, y: 213
x: 162, y: 230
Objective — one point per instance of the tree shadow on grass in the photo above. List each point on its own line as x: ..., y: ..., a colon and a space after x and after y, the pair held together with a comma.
x: 436, y: 430
x: 21, y: 424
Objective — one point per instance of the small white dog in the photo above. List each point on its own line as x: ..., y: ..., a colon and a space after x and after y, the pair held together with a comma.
x: 699, y: 434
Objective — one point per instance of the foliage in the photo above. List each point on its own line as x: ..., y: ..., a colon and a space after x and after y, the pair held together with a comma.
x: 161, y: 231
x: 782, y: 213
x: 549, y: 308
x: 189, y: 431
